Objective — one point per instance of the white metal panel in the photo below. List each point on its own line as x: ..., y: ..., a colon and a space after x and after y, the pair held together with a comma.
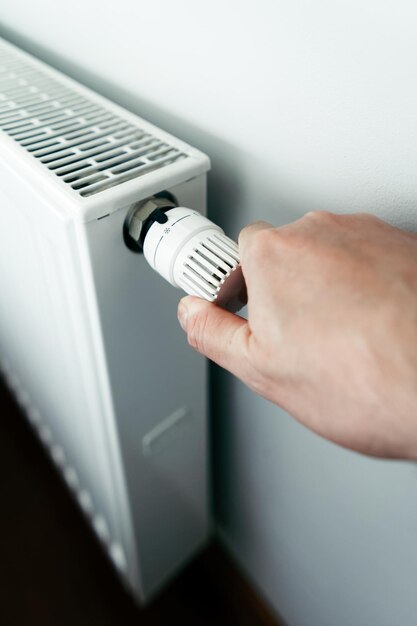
x: 49, y: 358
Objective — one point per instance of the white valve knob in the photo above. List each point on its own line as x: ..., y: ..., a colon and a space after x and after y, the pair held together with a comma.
x: 193, y: 253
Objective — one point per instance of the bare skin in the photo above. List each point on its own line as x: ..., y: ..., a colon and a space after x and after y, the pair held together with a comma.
x: 331, y: 335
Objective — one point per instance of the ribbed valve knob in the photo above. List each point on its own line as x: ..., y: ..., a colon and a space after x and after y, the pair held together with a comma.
x: 193, y: 253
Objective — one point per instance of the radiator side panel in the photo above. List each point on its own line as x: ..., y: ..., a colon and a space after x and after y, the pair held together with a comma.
x: 159, y: 392
x: 50, y: 357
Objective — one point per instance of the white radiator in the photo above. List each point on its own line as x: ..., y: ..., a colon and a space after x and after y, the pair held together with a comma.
x: 89, y: 340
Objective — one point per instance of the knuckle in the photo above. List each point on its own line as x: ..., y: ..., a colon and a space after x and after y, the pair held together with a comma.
x: 323, y: 217
x: 260, y: 243
x: 247, y: 229
x: 327, y: 218
x: 365, y: 217
x: 253, y: 226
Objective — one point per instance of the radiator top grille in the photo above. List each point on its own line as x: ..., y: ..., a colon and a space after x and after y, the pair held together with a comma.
x: 87, y: 146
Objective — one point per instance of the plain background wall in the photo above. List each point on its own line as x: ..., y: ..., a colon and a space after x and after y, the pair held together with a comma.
x: 301, y: 105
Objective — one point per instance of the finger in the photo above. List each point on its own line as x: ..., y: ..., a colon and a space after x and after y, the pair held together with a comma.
x: 216, y: 333
x: 249, y: 252
x: 248, y: 232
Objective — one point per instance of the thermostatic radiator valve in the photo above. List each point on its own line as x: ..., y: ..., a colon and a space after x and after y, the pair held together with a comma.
x: 189, y: 251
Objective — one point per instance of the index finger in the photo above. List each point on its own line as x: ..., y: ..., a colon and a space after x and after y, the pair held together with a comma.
x: 248, y: 231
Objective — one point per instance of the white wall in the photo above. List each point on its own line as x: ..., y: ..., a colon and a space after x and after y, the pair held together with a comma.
x: 301, y: 105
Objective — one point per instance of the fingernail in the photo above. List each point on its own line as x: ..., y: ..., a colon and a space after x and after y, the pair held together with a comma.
x: 182, y: 315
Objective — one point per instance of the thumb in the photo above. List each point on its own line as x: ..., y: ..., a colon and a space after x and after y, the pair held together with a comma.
x: 218, y: 334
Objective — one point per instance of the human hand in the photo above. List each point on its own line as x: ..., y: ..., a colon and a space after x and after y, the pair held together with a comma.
x: 331, y: 334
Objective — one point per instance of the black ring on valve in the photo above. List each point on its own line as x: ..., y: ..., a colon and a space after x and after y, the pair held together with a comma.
x: 157, y: 215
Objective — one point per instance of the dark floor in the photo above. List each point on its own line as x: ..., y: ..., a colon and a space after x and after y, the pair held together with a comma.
x: 52, y: 570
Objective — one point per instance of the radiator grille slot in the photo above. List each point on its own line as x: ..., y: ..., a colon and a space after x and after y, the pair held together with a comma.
x: 85, y: 145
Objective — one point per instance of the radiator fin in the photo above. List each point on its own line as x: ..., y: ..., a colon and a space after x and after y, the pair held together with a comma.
x: 88, y: 147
